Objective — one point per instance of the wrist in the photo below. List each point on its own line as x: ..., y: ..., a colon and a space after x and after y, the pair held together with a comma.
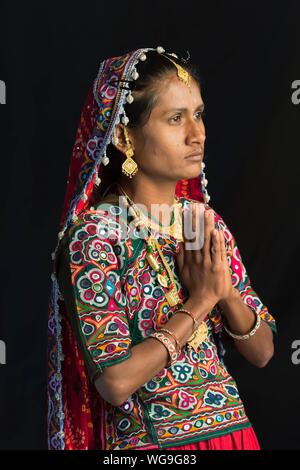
x: 231, y: 298
x: 199, y: 307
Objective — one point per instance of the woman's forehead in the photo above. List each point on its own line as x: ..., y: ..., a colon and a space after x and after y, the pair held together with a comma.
x: 175, y: 94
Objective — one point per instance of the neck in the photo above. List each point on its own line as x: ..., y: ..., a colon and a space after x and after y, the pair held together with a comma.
x: 146, y: 191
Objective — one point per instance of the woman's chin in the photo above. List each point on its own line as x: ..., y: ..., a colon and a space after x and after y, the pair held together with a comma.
x: 194, y: 171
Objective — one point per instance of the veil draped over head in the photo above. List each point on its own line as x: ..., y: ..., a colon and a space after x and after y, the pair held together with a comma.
x: 75, y: 408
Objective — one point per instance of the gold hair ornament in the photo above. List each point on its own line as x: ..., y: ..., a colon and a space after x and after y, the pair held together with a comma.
x: 182, y: 74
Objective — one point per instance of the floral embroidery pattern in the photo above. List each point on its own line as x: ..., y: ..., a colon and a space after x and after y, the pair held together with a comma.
x: 119, y: 303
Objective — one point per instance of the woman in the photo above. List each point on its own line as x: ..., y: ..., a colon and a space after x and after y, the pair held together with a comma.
x: 136, y: 316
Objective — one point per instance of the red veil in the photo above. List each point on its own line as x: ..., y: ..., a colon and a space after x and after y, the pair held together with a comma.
x: 74, y: 406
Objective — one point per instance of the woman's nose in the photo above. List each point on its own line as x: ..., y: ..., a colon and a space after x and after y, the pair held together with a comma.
x: 197, y: 132
x: 203, y: 136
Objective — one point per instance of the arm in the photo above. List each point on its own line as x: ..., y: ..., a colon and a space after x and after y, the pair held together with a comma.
x: 258, y: 349
x: 240, y: 307
x: 147, y: 358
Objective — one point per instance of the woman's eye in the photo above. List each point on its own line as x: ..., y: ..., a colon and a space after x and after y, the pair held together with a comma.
x: 175, y: 118
x: 201, y: 114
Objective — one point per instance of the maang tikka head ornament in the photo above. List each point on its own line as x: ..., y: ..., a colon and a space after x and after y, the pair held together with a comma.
x: 103, y: 110
x: 182, y: 74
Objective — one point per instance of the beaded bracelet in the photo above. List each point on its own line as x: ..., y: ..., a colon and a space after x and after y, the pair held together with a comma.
x: 168, y: 345
x: 183, y: 310
x: 248, y: 335
x: 174, y: 336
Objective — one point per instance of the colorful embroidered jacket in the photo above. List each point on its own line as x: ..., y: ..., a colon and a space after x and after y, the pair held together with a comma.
x: 115, y: 301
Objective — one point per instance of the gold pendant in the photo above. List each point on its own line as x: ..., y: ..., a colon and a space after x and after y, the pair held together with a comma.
x: 152, y: 242
x: 177, y: 226
x: 172, y: 297
x: 129, y: 167
x: 163, y: 280
x: 198, y: 337
x: 152, y: 261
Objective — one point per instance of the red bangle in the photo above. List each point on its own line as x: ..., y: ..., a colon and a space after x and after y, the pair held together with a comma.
x: 174, y: 336
x: 168, y: 345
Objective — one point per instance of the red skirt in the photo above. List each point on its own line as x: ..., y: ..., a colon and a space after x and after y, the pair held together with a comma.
x: 245, y: 439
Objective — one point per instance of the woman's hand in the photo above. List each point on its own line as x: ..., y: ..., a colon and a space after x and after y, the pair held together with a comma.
x: 205, y: 272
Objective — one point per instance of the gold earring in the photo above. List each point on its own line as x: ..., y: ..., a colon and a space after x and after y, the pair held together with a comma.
x: 129, y: 167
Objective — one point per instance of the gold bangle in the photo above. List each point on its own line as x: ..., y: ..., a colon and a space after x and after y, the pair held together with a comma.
x: 173, y: 335
x: 187, y: 312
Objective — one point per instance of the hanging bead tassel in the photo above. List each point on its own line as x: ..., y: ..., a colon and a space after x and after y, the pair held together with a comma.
x: 60, y: 235
x: 125, y: 120
x: 135, y: 74
x: 105, y: 159
x: 115, y: 140
x: 97, y: 181
x: 204, y: 182
x: 129, y: 98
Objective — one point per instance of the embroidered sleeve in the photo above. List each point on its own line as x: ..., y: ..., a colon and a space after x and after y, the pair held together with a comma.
x: 91, y: 285
x: 240, y: 277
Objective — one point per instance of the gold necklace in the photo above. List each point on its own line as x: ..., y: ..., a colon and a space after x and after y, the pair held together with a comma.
x: 165, y: 276
x: 174, y: 229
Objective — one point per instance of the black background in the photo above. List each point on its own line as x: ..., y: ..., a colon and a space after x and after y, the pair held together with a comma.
x: 248, y: 54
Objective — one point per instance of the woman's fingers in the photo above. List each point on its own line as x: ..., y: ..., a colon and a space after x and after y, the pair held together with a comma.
x: 221, y: 243
x: 212, y: 249
x: 208, y: 227
x: 180, y: 256
x: 216, y: 247
x: 223, y: 246
x: 189, y: 229
x: 196, y: 230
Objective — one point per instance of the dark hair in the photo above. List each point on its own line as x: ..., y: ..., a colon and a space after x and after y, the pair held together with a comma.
x: 144, y: 90
x: 153, y: 70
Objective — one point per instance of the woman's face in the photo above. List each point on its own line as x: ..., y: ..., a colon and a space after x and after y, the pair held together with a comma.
x: 171, y: 133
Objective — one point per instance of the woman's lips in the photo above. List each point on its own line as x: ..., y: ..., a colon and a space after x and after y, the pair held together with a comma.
x: 195, y: 158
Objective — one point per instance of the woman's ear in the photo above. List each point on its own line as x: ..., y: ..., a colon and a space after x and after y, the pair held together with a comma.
x: 119, y: 138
